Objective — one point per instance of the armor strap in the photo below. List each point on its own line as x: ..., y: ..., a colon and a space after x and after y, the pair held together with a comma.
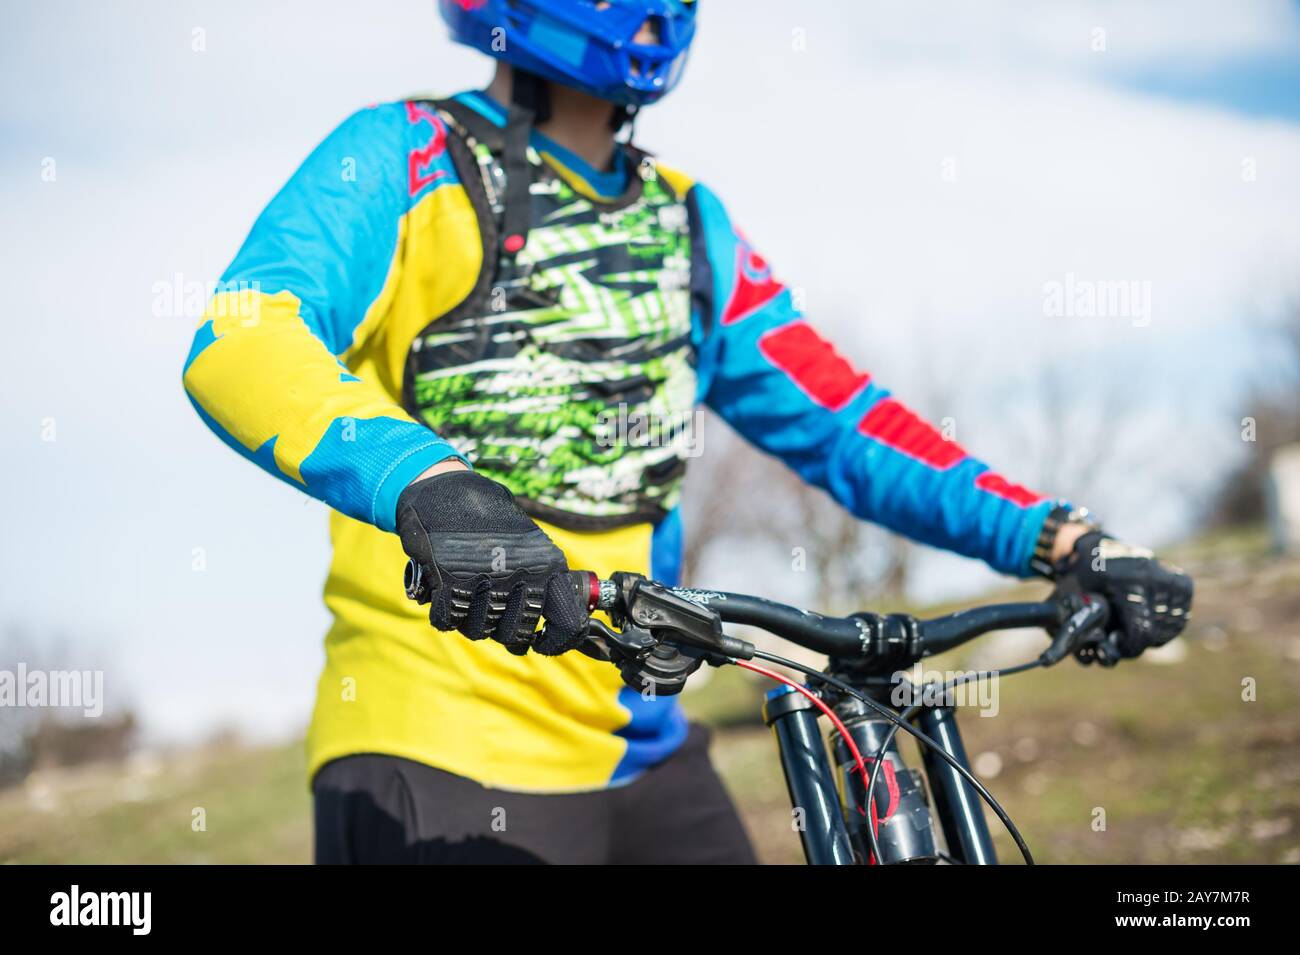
x: 528, y: 102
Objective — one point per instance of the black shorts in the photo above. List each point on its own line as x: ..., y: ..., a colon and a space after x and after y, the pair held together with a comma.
x: 384, y: 809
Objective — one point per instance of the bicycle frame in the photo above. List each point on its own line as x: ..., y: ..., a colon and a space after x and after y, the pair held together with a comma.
x: 824, y: 810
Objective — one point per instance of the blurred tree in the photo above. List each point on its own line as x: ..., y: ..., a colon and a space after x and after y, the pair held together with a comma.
x: 1273, y: 410
x: 34, y: 738
x: 736, y: 495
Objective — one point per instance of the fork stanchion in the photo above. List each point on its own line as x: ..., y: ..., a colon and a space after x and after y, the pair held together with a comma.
x: 818, y: 817
x: 961, y: 814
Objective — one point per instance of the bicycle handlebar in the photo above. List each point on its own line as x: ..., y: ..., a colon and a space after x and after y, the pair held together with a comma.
x: 693, y: 617
x: 834, y: 636
x: 662, y: 634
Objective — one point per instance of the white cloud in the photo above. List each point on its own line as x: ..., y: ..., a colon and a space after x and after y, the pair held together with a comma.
x: 1022, y: 34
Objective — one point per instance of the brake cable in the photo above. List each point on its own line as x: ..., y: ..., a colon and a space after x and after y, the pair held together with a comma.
x: 822, y: 705
x: 899, y: 723
x: 1087, y: 615
x: 839, y: 726
x: 912, y: 710
x: 674, y: 612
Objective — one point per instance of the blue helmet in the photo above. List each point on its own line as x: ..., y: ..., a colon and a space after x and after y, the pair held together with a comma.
x: 586, y: 44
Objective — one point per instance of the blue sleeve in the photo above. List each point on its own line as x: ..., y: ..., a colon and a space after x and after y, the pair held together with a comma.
x: 771, y: 375
x: 268, y: 370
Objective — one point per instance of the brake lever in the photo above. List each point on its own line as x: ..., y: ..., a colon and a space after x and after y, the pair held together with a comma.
x: 1101, y: 649
x: 647, y: 664
x: 603, y: 642
x: 1087, y: 614
x: 662, y: 637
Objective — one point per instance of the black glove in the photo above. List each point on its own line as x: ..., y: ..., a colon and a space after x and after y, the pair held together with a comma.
x: 488, y: 570
x: 1150, y: 602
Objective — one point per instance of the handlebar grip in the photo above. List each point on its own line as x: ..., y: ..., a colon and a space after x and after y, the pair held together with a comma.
x: 588, y: 588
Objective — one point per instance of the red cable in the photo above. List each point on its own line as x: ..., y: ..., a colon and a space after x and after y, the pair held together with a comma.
x: 838, y: 723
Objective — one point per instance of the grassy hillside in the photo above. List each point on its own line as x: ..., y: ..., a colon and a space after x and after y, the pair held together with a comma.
x: 1185, y: 770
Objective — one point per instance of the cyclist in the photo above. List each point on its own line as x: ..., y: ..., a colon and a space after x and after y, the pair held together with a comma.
x: 431, y: 328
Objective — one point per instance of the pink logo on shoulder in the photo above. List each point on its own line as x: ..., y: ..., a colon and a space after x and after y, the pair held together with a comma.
x: 418, y: 162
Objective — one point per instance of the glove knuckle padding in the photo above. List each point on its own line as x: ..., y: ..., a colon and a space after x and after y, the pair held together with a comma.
x: 1135, y: 620
x: 493, y: 572
x: 1149, y: 601
x: 566, y: 618
x: 511, y: 619
x: 474, y: 625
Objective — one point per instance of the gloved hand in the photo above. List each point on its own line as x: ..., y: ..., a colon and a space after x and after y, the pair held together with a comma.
x: 1150, y: 602
x: 489, y: 570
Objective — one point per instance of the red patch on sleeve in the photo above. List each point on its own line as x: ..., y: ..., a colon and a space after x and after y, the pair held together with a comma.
x: 999, y: 486
x: 813, y: 364
x: 897, y: 426
x: 755, y: 286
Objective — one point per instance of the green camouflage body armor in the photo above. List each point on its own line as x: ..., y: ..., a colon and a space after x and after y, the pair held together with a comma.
x: 568, y: 373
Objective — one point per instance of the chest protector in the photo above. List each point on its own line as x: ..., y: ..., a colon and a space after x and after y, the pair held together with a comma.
x: 568, y: 373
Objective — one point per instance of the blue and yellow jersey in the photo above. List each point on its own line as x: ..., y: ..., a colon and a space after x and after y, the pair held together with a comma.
x: 301, y: 364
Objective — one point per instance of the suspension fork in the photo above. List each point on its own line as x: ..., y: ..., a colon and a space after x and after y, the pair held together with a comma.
x: 901, y: 813
x: 808, y: 776
x: 960, y: 811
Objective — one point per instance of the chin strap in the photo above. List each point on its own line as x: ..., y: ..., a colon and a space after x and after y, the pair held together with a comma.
x: 529, y: 105
x: 623, y: 116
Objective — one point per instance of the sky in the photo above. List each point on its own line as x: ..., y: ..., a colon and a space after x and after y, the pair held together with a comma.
x: 921, y: 173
